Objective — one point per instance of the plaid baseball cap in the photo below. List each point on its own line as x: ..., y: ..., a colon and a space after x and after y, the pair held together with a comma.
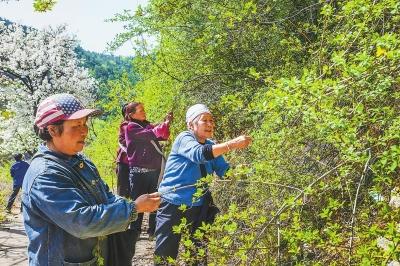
x: 61, y: 106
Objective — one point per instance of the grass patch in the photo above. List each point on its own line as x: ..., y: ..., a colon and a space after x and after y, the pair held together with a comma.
x: 5, y: 188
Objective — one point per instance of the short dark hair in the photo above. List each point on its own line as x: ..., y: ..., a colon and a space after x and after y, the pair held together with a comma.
x: 18, y: 157
x: 123, y: 109
x: 43, y: 133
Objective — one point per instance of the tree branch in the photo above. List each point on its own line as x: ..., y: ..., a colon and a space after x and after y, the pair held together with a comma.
x: 355, y: 204
x: 285, y: 205
x: 13, y: 76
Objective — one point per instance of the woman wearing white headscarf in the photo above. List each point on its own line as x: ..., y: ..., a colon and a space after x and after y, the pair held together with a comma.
x: 191, y: 151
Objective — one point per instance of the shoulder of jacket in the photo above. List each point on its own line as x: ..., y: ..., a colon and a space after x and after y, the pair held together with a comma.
x: 39, y: 162
x: 38, y: 168
x: 185, y: 134
x: 183, y: 138
x: 133, y: 125
x: 45, y: 167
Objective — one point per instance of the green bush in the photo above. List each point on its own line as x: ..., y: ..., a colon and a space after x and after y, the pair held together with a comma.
x: 102, y: 148
x: 316, y: 84
x: 5, y: 188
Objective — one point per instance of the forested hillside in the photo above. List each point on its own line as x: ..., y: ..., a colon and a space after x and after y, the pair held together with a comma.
x: 105, y: 68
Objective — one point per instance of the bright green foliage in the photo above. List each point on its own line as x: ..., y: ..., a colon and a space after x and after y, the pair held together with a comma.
x: 5, y: 187
x: 120, y: 91
x: 340, y: 109
x: 103, y: 150
x: 316, y: 83
x: 44, y: 5
x: 103, y: 139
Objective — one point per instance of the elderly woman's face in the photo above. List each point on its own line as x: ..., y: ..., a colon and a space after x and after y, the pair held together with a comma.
x: 203, y: 127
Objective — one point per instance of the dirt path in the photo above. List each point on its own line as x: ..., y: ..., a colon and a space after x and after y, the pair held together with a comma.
x: 144, y: 247
x: 13, y: 243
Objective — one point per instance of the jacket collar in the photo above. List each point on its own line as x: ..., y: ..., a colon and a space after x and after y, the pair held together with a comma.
x: 141, y: 123
x: 71, y: 160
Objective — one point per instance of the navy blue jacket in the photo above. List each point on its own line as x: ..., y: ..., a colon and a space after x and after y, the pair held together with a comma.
x: 17, y: 171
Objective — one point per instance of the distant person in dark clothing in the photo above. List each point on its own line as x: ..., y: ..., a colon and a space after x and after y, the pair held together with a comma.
x: 123, y: 186
x: 18, y: 170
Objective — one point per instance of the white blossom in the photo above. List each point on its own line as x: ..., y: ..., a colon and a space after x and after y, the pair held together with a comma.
x: 383, y: 243
x: 33, y: 65
x: 395, y: 198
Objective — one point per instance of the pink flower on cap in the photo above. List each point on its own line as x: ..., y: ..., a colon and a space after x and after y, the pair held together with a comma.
x: 61, y: 106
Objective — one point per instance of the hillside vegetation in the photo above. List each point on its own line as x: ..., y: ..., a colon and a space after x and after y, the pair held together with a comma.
x: 316, y: 83
x: 317, y: 86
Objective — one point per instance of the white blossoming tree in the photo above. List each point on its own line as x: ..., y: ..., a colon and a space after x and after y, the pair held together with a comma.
x: 33, y: 65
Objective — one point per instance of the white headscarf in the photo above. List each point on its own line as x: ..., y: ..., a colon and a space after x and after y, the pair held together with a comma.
x: 196, y: 110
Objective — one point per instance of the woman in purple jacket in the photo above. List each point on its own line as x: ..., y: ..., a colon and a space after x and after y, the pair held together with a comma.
x: 145, y: 157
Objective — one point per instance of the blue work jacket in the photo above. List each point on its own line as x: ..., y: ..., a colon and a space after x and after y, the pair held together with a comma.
x: 183, y: 169
x: 62, y: 221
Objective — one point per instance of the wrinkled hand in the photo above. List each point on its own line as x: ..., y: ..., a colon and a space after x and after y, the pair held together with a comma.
x: 240, y: 142
x: 148, y: 202
x: 169, y: 117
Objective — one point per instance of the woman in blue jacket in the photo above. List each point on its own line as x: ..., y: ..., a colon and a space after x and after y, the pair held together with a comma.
x: 68, y: 210
x: 190, y: 150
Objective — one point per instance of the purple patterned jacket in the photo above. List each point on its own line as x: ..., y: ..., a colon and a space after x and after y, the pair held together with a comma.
x: 140, y: 151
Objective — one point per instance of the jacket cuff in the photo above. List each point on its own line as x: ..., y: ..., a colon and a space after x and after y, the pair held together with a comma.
x: 134, y: 215
x: 161, y: 131
x: 207, y: 152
